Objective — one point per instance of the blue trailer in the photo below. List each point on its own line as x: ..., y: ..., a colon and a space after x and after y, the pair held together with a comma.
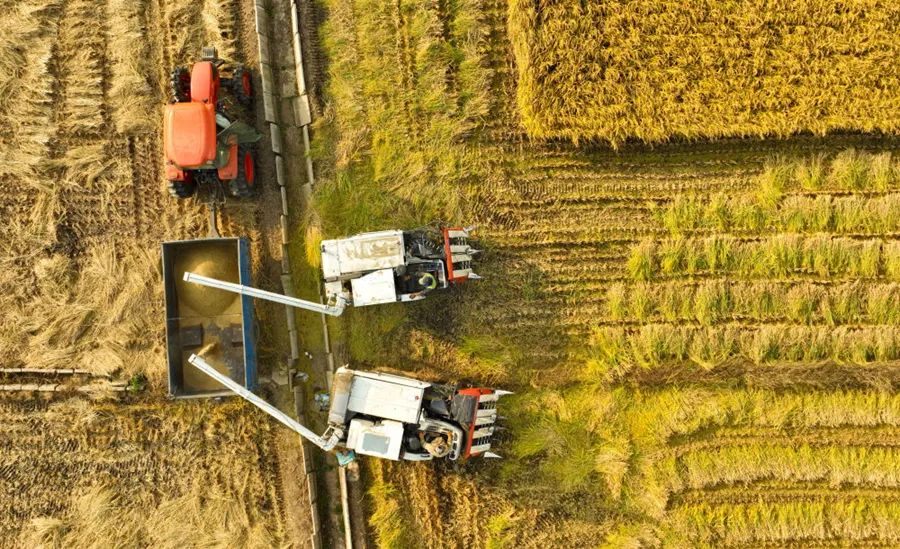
x: 198, y: 318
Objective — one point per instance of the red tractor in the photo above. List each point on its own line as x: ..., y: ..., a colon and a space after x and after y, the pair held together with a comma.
x: 203, y: 145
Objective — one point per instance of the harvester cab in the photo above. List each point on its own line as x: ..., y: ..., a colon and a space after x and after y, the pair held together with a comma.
x: 204, y: 146
x: 393, y: 417
x: 392, y: 266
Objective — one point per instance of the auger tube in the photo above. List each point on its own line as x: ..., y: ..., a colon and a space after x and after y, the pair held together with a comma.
x: 334, y: 310
x: 321, y: 441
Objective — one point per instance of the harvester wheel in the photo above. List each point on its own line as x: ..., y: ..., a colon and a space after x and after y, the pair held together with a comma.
x: 244, y: 184
x: 183, y: 189
x: 242, y: 85
x: 180, y: 83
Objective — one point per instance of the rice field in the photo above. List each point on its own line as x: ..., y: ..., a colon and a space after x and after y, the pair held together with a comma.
x: 85, y: 209
x: 702, y: 336
x: 79, y: 474
x: 613, y: 71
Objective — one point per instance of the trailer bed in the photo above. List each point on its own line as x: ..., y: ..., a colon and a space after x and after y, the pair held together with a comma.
x: 217, y: 323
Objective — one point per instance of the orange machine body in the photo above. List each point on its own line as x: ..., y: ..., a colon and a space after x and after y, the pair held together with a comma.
x: 190, y: 128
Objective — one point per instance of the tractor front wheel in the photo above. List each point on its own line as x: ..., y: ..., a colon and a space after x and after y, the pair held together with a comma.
x: 244, y: 183
x: 180, y: 84
x: 242, y: 85
x: 183, y: 189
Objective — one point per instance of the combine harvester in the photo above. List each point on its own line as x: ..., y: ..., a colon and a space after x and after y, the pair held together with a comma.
x: 209, y: 334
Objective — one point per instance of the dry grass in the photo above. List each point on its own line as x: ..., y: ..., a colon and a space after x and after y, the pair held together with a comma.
x: 218, y: 24
x: 131, y: 96
x: 27, y: 110
x: 613, y: 71
x: 81, y: 288
x: 216, y: 488
x: 854, y: 521
x: 98, y: 314
x: 385, y: 520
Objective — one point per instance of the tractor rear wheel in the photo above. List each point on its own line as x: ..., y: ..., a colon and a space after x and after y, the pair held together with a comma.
x: 180, y: 84
x: 244, y: 183
x: 183, y: 189
x: 242, y: 85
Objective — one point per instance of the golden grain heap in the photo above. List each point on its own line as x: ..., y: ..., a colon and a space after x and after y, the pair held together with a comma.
x: 611, y: 70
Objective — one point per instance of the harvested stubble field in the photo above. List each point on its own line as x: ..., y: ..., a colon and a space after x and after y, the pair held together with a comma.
x: 84, y: 210
x: 81, y: 474
x: 703, y: 337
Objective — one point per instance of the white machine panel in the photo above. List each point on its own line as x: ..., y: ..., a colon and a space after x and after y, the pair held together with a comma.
x: 331, y: 267
x: 362, y: 253
x: 374, y: 288
x: 382, y: 439
x: 381, y: 398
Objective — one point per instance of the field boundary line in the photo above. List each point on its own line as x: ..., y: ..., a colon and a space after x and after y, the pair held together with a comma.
x: 270, y: 95
x: 302, y: 118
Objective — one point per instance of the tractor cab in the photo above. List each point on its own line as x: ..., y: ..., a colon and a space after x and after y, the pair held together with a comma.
x: 202, y: 141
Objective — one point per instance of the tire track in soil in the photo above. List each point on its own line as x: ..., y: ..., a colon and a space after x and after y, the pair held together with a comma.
x: 148, y: 196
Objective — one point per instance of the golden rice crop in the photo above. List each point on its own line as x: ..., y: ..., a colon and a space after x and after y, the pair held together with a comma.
x: 613, y: 352
x: 836, y: 466
x: 733, y: 294
x: 612, y: 70
x: 712, y: 301
x: 779, y: 256
x: 852, y: 520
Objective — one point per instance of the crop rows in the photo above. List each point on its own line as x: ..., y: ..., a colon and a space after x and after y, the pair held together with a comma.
x: 776, y: 206
x: 611, y: 273
x: 709, y: 302
x: 835, y: 465
x: 616, y: 351
x: 602, y: 70
x: 81, y: 177
x: 777, y: 257
x: 740, y: 524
